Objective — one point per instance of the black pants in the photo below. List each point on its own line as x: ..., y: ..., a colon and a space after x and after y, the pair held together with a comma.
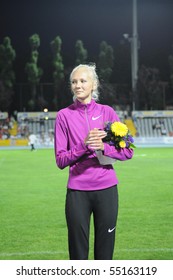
x: 32, y: 147
x: 79, y: 207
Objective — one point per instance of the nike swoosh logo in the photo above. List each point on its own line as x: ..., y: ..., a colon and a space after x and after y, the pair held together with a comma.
x: 111, y: 230
x: 96, y: 118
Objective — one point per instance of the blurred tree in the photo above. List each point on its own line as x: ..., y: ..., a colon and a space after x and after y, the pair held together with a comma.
x: 149, y: 89
x: 105, y: 61
x: 6, y: 95
x: 105, y: 67
x: 33, y: 71
x: 81, y: 53
x: 7, y: 75
x: 58, y: 73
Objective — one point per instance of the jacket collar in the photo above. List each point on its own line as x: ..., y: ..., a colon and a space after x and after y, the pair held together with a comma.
x: 81, y: 107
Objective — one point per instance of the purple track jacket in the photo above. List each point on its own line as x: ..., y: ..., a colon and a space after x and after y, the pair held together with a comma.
x: 72, y: 125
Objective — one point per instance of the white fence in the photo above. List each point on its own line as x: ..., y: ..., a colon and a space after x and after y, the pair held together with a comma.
x: 163, y: 141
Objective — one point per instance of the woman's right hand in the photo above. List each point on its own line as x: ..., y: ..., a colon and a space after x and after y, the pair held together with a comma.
x: 94, y: 139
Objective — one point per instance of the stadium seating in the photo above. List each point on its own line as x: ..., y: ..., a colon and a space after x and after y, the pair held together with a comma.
x: 142, y: 125
x: 153, y: 123
x: 131, y: 126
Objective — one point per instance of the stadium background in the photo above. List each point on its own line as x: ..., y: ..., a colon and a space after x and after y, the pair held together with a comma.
x: 32, y: 189
x: 149, y: 128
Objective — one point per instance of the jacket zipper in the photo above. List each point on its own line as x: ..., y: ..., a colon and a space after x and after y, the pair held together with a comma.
x: 86, y: 117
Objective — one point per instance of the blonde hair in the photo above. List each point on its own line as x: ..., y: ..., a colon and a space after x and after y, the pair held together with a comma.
x: 92, y: 70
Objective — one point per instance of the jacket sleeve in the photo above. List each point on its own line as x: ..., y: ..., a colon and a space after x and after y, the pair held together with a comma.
x: 65, y: 156
x: 119, y: 154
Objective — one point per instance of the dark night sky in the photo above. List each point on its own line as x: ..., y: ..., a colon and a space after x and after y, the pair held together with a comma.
x: 91, y: 21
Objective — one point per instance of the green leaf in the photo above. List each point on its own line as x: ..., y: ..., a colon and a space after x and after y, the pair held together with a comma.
x: 132, y: 146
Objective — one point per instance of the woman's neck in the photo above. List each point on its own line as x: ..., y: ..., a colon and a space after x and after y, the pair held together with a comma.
x: 85, y: 101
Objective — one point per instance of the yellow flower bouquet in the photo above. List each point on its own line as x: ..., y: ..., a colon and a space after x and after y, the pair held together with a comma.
x: 118, y: 135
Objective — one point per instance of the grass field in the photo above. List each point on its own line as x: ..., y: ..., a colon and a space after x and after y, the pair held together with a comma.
x: 32, y: 197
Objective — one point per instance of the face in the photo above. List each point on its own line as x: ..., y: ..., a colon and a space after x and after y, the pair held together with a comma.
x: 82, y: 84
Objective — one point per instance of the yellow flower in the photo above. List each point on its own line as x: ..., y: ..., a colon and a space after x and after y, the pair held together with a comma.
x: 122, y: 144
x: 119, y: 129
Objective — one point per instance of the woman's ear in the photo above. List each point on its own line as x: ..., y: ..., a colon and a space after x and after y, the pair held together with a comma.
x: 94, y: 86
